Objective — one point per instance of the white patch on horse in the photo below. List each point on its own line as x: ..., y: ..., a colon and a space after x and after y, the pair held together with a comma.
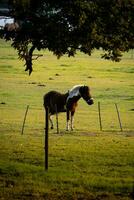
x: 74, y: 92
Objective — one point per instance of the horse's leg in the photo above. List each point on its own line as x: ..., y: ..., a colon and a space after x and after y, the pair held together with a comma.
x: 72, y: 119
x: 68, y: 118
x: 51, y: 121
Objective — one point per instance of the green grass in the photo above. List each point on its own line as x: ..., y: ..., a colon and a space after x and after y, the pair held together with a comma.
x: 79, y: 164
x: 84, y: 164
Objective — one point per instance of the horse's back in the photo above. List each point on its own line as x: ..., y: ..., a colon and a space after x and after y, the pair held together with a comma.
x: 53, y: 98
x: 49, y: 97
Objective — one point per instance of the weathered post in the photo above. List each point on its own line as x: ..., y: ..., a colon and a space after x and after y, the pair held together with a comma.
x: 46, y: 138
x: 99, y: 111
x: 57, y: 123
x: 119, y: 119
x: 23, y: 125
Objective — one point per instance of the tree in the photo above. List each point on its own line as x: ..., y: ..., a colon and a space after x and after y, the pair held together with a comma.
x: 65, y: 26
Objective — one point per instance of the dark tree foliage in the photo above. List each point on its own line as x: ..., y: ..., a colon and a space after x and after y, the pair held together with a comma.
x: 64, y: 26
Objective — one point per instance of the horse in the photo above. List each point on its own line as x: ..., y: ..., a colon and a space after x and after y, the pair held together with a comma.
x: 67, y: 102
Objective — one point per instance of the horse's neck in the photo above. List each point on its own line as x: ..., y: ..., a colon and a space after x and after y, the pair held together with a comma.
x: 73, y: 99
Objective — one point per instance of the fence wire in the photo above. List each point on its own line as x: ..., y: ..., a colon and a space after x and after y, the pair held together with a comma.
x: 85, y: 119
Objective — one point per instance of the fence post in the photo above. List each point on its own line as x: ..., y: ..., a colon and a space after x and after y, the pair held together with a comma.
x: 118, y: 116
x: 99, y: 111
x: 46, y: 137
x: 23, y: 125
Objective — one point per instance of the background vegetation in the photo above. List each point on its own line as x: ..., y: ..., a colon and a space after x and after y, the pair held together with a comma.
x: 64, y: 27
x: 83, y: 164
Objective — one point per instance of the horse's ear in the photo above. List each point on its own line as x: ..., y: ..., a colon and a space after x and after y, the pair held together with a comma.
x: 85, y: 87
x: 82, y: 89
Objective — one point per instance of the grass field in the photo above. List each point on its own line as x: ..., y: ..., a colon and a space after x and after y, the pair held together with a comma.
x: 84, y: 164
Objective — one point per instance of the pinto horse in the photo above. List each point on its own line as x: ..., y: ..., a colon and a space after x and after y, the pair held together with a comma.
x: 57, y: 102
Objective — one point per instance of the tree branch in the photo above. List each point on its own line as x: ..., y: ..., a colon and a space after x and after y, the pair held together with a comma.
x: 37, y: 56
x: 28, y: 59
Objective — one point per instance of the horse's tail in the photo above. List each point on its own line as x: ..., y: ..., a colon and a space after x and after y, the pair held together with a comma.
x: 45, y: 100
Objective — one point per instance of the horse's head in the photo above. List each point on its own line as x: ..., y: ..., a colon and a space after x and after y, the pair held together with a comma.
x: 85, y: 94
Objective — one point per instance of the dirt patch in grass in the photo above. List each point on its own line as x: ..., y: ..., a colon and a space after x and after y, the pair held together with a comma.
x: 91, y: 134
x: 129, y: 134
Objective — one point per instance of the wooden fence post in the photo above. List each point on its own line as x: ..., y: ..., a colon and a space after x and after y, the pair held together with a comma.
x: 118, y: 117
x: 23, y: 125
x: 46, y: 137
x: 99, y: 111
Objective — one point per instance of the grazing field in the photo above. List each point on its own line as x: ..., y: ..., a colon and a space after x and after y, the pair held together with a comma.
x: 84, y: 164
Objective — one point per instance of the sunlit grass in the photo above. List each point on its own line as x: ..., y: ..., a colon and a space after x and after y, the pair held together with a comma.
x: 84, y: 164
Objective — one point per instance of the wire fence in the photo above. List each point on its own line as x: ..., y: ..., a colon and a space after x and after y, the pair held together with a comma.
x: 13, y: 118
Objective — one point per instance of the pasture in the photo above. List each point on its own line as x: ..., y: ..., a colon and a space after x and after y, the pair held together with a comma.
x: 84, y: 164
